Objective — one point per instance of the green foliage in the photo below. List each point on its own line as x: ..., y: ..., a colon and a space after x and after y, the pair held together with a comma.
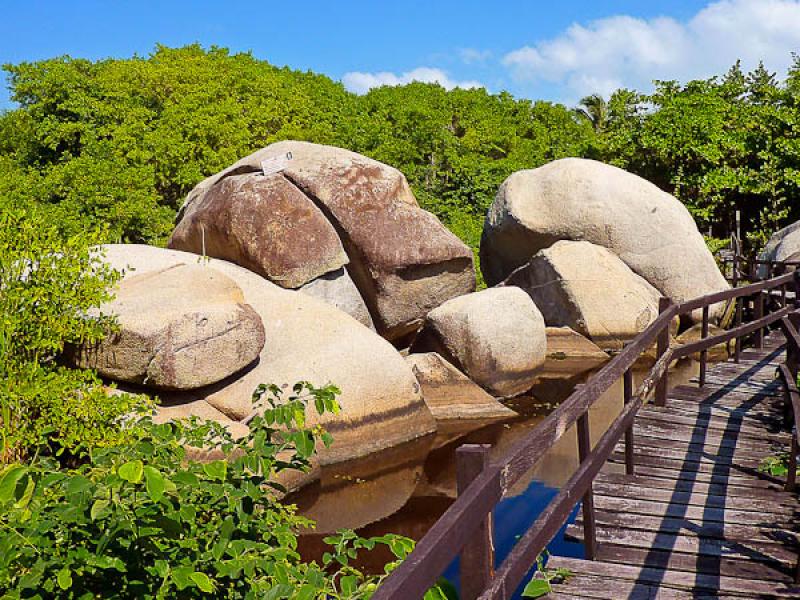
x: 141, y: 521
x: 720, y: 145
x: 541, y: 583
x: 122, y: 141
x: 49, y: 286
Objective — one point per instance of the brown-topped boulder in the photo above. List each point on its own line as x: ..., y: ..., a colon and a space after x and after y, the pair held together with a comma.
x: 495, y: 336
x: 307, y: 340
x: 585, y: 200
x: 457, y: 404
x: 180, y: 328
x: 402, y: 259
x: 591, y: 291
x: 263, y: 223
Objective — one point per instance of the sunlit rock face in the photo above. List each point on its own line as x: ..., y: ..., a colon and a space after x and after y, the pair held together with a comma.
x: 169, y: 339
x: 585, y: 200
x: 305, y: 340
x: 784, y: 245
x: 588, y: 289
x: 403, y: 261
x: 495, y: 336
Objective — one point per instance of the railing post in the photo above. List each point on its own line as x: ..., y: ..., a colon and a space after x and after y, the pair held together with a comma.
x: 791, y: 473
x: 589, y: 529
x: 704, y: 352
x: 759, y: 314
x: 662, y: 346
x: 627, y: 393
x: 737, y: 348
x: 735, y: 278
x: 477, y: 556
x: 796, y: 286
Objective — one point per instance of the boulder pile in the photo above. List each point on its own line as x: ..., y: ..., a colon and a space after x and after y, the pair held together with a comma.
x: 303, y: 262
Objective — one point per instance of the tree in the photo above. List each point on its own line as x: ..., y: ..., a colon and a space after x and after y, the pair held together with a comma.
x: 595, y: 110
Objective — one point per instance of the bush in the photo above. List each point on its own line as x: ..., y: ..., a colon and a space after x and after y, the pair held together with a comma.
x: 49, y: 285
x: 140, y: 521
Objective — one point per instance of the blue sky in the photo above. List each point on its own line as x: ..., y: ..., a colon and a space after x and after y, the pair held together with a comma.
x: 552, y: 50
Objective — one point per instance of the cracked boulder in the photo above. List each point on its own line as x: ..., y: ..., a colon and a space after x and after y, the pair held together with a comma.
x: 588, y: 289
x: 265, y: 224
x: 403, y: 261
x: 180, y: 328
x: 585, y: 200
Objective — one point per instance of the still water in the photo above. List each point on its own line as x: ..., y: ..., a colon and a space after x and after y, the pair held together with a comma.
x: 406, y: 489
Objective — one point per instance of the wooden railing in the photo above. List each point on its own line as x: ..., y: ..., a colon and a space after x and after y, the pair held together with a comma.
x: 465, y: 529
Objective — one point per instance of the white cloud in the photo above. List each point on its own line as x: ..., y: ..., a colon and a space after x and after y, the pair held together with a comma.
x: 624, y: 51
x: 361, y: 83
x: 471, y: 56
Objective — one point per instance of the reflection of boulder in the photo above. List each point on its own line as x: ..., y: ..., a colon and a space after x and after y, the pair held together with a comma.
x: 587, y: 288
x: 403, y: 260
x: 784, y: 245
x: 355, y: 493
x: 718, y: 353
x: 457, y: 404
x: 307, y: 340
x: 579, y: 199
x: 495, y: 336
x: 180, y: 328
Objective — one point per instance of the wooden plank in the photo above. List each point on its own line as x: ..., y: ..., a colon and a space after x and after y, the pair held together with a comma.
x: 698, y: 526
x: 714, y: 424
x: 724, y: 566
x: 750, y: 550
x: 770, y: 503
x: 744, y: 489
x: 679, y: 580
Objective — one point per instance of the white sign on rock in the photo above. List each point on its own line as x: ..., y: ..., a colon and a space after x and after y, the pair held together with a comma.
x: 275, y: 164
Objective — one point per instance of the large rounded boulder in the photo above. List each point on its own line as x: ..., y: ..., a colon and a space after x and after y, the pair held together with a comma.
x: 306, y: 340
x: 495, y: 336
x: 783, y: 246
x: 585, y: 200
x: 402, y: 259
x: 588, y: 289
x: 180, y: 328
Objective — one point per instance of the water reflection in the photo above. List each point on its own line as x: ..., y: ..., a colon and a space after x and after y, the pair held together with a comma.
x: 407, y: 489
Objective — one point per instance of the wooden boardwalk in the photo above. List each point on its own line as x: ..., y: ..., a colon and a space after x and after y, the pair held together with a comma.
x: 697, y: 520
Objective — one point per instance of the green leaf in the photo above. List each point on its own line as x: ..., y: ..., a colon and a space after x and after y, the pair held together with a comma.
x: 64, y: 579
x: 202, y: 581
x: 131, y: 471
x: 537, y: 588
x: 217, y: 469
x: 9, y: 480
x: 154, y: 483
x: 98, y: 507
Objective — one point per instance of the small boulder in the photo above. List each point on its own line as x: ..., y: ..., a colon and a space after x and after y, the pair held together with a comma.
x: 457, y: 404
x: 588, y: 289
x: 784, y: 245
x: 569, y: 354
x: 585, y: 200
x: 180, y: 328
x: 495, y: 336
x: 263, y: 223
x: 337, y: 289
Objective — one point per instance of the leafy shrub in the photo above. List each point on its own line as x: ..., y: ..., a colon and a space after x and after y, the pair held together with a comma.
x: 49, y: 286
x: 142, y: 521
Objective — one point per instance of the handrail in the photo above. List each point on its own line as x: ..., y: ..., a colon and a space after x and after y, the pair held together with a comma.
x: 448, y: 536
